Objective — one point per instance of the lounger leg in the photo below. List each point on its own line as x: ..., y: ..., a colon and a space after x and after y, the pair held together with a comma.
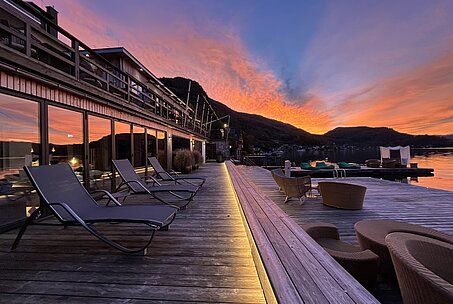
x: 302, y: 199
x: 28, y: 221
x: 286, y: 200
x: 167, y: 226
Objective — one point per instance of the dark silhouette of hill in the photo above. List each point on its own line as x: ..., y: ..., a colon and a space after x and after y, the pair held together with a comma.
x: 269, y: 133
x: 257, y: 130
x: 381, y: 136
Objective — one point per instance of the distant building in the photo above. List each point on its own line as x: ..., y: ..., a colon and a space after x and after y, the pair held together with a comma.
x: 61, y: 101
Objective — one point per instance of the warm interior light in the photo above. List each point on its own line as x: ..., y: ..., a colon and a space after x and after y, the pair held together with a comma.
x: 74, y: 161
x: 53, y: 149
x: 225, y: 125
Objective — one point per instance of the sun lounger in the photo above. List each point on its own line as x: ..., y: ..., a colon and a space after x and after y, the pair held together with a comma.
x: 307, y: 166
x: 323, y: 165
x: 164, y: 175
x: 62, y: 193
x: 137, y: 185
x: 345, y: 165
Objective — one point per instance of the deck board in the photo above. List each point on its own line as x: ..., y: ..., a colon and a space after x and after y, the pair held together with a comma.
x: 384, y: 199
x: 204, y: 257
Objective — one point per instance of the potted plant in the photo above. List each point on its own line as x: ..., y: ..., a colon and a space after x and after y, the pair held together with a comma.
x: 183, y: 161
x: 198, y: 159
x: 219, y: 157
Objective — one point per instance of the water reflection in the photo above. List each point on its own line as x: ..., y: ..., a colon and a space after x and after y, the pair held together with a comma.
x: 443, y: 170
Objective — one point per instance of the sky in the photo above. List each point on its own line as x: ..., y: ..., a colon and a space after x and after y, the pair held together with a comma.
x: 314, y: 64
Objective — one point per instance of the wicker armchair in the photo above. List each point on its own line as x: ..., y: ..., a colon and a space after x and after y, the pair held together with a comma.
x: 276, y: 175
x: 361, y: 264
x: 342, y: 195
x: 371, y: 235
x: 293, y: 187
x: 424, y: 267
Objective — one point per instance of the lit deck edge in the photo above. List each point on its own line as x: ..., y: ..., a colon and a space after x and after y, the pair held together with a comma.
x: 260, y: 268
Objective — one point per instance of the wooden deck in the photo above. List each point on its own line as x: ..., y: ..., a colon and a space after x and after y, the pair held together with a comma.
x: 298, y: 269
x: 384, y: 199
x: 204, y: 257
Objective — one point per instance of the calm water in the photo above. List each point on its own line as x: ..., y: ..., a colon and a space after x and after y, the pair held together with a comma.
x: 440, y: 159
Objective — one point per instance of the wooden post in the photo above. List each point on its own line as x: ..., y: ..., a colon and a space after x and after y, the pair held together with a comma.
x: 202, y: 117
x: 75, y: 45
x: 195, y: 113
x: 28, y: 39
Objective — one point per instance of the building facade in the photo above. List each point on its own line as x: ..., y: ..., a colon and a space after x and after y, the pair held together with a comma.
x: 62, y: 102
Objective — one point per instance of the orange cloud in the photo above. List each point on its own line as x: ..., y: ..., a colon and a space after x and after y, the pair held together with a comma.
x: 417, y: 102
x: 220, y: 64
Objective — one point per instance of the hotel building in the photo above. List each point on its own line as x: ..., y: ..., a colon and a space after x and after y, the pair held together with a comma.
x: 61, y: 101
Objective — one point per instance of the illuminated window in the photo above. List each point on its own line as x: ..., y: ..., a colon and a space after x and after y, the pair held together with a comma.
x: 66, y: 138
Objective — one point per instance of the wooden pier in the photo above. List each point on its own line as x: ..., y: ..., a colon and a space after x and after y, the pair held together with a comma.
x: 204, y: 257
x: 207, y: 256
x: 384, y: 199
x: 396, y: 173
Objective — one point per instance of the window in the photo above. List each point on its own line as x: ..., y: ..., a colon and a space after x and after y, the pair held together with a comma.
x: 19, y: 146
x: 162, y: 148
x: 151, y: 142
x: 123, y: 140
x: 100, y: 151
x: 139, y: 147
x: 66, y: 138
x: 180, y: 143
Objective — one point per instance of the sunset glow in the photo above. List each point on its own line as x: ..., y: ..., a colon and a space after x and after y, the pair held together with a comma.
x: 313, y: 65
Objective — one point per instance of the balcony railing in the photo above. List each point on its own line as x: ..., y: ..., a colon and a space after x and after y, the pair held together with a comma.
x: 23, y: 31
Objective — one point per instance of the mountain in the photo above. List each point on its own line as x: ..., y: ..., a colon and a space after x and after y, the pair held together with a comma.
x: 268, y: 134
x: 381, y: 136
x: 257, y: 130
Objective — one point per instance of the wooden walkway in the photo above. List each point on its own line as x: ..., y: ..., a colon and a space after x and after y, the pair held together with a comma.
x: 298, y: 269
x: 384, y: 199
x: 204, y: 257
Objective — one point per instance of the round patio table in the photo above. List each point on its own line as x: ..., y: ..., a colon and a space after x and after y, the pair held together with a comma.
x: 371, y: 235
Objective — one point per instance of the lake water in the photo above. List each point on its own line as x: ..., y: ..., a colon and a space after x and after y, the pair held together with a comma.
x: 440, y: 159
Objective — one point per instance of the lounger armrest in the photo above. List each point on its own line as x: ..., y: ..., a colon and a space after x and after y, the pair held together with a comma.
x: 151, y: 178
x: 173, y: 172
x: 70, y: 212
x: 136, y: 182
x: 109, y: 195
